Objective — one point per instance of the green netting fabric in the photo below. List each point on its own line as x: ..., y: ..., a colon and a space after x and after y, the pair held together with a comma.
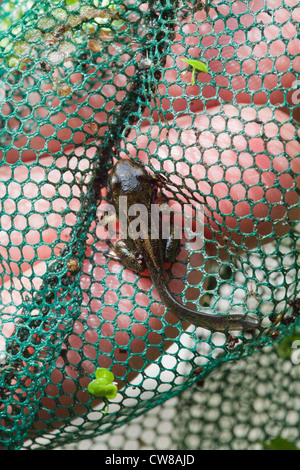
x: 240, y: 406
x: 83, y: 84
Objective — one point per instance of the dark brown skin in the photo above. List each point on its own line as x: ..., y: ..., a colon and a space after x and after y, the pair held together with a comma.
x: 128, y: 178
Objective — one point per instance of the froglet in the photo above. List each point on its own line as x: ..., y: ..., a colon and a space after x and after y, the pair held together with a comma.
x: 129, y: 178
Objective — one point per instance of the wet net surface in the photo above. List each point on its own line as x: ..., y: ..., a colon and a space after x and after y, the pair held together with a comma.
x: 84, y: 84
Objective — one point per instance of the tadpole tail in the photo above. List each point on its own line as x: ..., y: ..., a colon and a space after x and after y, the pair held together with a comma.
x: 205, y: 320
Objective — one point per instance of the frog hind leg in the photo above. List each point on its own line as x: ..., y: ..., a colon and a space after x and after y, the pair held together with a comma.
x: 129, y: 259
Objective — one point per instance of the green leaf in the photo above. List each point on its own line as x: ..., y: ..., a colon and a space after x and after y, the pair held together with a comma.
x: 197, y: 64
x: 106, y: 375
x: 103, y: 385
x: 278, y: 443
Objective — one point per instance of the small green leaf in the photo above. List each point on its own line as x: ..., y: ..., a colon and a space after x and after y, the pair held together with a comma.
x: 106, y: 375
x: 103, y: 386
x: 197, y: 65
x: 278, y: 443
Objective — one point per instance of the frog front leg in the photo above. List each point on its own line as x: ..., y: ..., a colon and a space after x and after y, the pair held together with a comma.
x: 171, y: 246
x: 128, y: 258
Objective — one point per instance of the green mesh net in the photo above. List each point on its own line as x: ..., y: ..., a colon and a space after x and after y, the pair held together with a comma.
x: 83, y: 84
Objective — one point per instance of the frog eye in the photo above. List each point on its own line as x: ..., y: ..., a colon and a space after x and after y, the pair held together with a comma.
x: 115, y: 183
x: 115, y: 180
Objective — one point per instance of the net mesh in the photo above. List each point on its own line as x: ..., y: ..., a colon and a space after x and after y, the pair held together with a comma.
x: 83, y: 84
x: 212, y: 415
